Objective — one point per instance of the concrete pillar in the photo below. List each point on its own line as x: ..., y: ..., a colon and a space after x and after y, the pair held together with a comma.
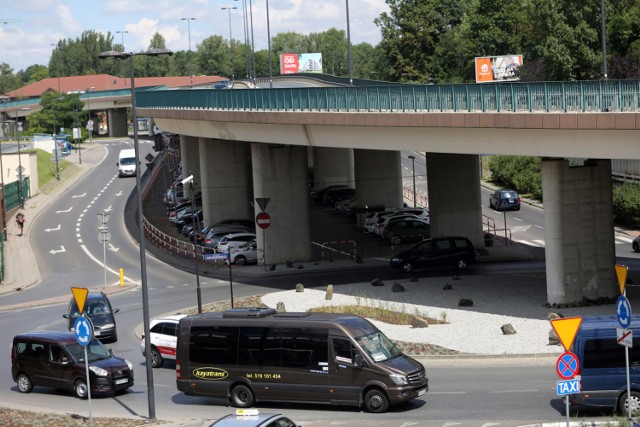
x: 225, y: 173
x: 455, y: 209
x: 117, y: 122
x: 579, y: 240
x: 333, y: 166
x: 378, y: 177
x: 280, y: 174
x: 190, y: 155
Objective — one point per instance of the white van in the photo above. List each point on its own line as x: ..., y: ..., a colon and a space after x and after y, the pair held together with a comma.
x: 127, y: 162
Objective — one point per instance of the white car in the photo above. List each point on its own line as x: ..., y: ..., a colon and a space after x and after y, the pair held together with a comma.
x: 163, y: 338
x: 231, y: 241
x: 245, y: 253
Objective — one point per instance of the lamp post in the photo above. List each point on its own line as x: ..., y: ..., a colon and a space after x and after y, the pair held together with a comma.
x: 189, y: 33
x: 604, y: 40
x: 189, y: 180
x: 229, y: 9
x: 4, y: 199
x: 349, y: 47
x: 122, y: 33
x: 246, y: 38
x: 413, y: 169
x: 90, y: 122
x: 269, y: 43
x: 143, y: 264
x: 20, y: 187
x: 104, y: 237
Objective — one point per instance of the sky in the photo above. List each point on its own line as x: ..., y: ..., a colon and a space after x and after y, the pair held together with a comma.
x: 28, y: 28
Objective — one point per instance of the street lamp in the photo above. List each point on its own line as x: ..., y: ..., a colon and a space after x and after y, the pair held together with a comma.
x: 269, y: 43
x: 189, y: 180
x: 90, y: 122
x: 143, y: 264
x: 413, y: 168
x: 20, y: 187
x: 349, y: 48
x: 189, y: 31
x: 229, y: 9
x: 4, y: 199
x: 104, y: 236
x: 122, y: 33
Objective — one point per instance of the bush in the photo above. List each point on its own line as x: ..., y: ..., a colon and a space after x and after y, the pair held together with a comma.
x: 520, y: 173
x: 626, y: 204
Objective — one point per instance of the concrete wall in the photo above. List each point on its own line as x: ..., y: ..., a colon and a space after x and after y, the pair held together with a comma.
x: 378, y: 176
x: 578, y: 216
x: 454, y: 196
x: 280, y: 174
x: 190, y: 157
x: 117, y: 122
x: 333, y: 166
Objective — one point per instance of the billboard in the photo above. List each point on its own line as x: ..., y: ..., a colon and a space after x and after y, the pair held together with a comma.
x: 497, y: 68
x: 291, y: 63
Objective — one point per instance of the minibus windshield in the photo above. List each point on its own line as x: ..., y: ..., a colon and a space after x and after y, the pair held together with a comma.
x: 378, y: 346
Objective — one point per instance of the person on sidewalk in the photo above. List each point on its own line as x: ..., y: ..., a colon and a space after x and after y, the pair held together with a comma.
x: 20, y: 220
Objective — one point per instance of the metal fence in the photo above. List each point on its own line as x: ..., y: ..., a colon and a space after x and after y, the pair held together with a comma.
x: 580, y: 96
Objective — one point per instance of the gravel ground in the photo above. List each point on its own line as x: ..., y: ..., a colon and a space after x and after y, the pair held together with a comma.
x: 498, y: 300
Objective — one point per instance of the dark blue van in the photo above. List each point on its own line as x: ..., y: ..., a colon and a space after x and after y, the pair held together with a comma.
x: 603, y: 365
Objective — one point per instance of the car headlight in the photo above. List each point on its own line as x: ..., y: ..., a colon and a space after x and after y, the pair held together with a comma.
x: 108, y: 326
x: 398, y: 379
x: 129, y: 364
x: 98, y: 371
x: 395, y: 259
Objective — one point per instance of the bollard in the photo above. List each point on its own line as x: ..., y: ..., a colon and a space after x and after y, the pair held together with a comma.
x: 122, y: 277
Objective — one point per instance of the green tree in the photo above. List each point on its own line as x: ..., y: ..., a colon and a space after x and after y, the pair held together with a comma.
x: 80, y: 56
x: 58, y: 111
x: 333, y: 46
x: 522, y: 173
x: 213, y: 57
x: 8, y: 80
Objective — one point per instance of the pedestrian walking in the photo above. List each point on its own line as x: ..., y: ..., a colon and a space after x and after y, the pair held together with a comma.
x: 20, y: 220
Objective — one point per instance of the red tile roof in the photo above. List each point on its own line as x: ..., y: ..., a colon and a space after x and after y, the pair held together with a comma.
x: 102, y: 82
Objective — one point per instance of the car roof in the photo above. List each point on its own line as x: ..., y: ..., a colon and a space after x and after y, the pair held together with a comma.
x: 52, y: 336
x: 232, y: 420
x: 233, y: 235
x: 174, y: 317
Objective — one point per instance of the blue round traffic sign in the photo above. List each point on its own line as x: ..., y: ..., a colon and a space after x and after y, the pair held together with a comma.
x: 567, y: 365
x: 623, y: 312
x: 83, y: 330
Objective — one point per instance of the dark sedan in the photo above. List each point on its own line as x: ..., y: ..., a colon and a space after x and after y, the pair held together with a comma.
x: 457, y: 252
x: 504, y: 200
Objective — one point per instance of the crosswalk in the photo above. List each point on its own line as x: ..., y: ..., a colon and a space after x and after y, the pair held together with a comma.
x: 619, y: 240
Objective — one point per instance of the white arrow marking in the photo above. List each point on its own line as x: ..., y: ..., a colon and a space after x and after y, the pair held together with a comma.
x: 490, y: 424
x: 119, y: 193
x: 75, y: 196
x: 52, y: 229
x: 108, y: 209
x: 68, y: 210
x: 57, y: 251
x: 113, y: 248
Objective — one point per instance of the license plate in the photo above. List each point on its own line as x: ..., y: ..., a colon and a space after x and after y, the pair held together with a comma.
x: 121, y: 381
x: 421, y: 392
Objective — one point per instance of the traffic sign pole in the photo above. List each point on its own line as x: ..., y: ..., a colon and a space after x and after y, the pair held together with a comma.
x: 83, y: 330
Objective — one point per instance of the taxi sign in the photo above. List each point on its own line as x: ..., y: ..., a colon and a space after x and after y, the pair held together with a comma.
x: 621, y: 272
x: 568, y: 387
x: 80, y: 295
x: 247, y: 412
x: 567, y: 328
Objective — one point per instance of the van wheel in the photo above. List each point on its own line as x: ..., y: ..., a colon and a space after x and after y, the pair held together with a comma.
x: 462, y: 264
x: 241, y: 260
x: 407, y: 267
x: 242, y: 396
x: 156, y: 358
x: 635, y: 404
x: 376, y: 401
x: 80, y: 389
x: 24, y: 384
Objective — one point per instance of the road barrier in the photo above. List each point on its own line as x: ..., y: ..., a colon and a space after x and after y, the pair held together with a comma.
x: 346, y: 247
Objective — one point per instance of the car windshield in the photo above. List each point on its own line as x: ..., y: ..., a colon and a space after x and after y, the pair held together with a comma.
x: 128, y: 161
x: 378, y: 346
x: 95, y: 351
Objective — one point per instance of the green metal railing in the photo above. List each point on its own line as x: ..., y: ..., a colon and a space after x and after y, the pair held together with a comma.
x: 12, y: 193
x: 582, y: 96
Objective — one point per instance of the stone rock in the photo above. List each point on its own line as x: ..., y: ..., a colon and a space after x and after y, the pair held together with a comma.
x: 552, y: 315
x: 329, y: 294
x: 553, y: 338
x: 465, y: 302
x: 280, y: 307
x: 272, y: 267
x: 447, y: 287
x: 508, y: 329
x: 377, y: 282
x: 299, y: 287
x: 419, y: 322
x: 397, y: 287
x: 289, y: 264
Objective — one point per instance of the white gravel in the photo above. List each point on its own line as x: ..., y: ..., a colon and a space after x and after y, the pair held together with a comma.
x: 518, y: 300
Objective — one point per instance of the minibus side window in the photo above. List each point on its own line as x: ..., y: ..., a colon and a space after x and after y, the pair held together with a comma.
x: 259, y: 346
x: 214, y: 345
x: 304, y: 348
x: 343, y: 351
x: 600, y: 353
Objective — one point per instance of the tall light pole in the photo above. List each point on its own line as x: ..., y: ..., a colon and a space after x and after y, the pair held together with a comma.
x: 253, y: 45
x: 413, y: 169
x: 104, y: 237
x: 349, y: 47
x: 189, y: 34
x: 122, y: 33
x: 269, y: 43
x: 20, y: 189
x: 4, y: 199
x: 143, y: 262
x: 89, y: 122
x: 604, y: 40
x: 229, y: 9
x: 246, y: 38
x: 189, y: 180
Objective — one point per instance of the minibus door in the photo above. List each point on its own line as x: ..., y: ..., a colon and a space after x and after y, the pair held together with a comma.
x: 347, y: 377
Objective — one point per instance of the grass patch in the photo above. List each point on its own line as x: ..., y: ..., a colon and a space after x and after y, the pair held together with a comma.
x: 47, y: 181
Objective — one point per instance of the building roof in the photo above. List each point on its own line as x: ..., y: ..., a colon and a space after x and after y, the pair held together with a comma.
x: 102, y: 82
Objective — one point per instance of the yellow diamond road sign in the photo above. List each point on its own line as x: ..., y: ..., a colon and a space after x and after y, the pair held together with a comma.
x: 567, y: 328
x: 621, y: 272
x: 80, y: 294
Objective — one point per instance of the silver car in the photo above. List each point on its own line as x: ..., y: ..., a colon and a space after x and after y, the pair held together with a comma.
x: 252, y: 418
x: 245, y: 253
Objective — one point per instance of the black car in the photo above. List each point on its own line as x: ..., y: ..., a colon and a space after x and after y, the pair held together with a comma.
x: 97, y: 308
x: 503, y: 200
x: 454, y: 251
x: 318, y: 196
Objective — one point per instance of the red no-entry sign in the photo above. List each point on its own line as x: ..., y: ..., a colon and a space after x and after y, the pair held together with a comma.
x: 263, y: 220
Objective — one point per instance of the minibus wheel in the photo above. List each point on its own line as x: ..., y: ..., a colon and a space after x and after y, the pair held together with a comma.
x: 635, y: 404
x: 242, y: 396
x: 24, y: 384
x: 80, y: 389
x: 376, y: 401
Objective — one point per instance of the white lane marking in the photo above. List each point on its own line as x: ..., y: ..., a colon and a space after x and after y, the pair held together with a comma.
x: 517, y: 219
x: 67, y: 211
x: 624, y: 239
x: 110, y: 270
x: 75, y: 196
x: 526, y: 390
x: 52, y: 229
x: 57, y: 251
x: 540, y: 242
